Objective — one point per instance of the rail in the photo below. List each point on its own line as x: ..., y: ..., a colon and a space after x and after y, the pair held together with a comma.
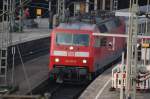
x: 21, y: 97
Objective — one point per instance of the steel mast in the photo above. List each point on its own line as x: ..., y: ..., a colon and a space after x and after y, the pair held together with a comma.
x: 4, y: 42
x: 61, y: 9
x: 132, y: 51
x: 115, y: 5
x: 6, y: 27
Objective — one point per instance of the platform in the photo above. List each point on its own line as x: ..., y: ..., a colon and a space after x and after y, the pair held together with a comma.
x: 99, y: 89
x: 29, y: 34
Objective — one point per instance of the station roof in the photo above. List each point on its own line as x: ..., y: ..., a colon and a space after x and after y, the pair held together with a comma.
x: 126, y: 13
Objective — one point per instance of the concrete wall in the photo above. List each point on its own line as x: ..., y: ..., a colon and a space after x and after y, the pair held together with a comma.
x: 29, y: 50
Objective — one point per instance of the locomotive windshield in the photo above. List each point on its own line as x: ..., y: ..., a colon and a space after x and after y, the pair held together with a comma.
x: 65, y: 39
x: 72, y: 39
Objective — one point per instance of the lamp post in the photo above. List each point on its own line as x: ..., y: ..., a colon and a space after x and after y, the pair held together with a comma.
x: 87, y: 6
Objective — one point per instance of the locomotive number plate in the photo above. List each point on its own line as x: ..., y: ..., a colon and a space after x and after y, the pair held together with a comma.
x: 71, y: 53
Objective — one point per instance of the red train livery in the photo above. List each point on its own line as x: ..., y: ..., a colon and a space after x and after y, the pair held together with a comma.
x: 77, y: 54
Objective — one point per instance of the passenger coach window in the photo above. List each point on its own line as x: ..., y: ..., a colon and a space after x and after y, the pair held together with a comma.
x: 64, y: 38
x: 81, y: 39
x: 97, y: 42
x: 103, y: 41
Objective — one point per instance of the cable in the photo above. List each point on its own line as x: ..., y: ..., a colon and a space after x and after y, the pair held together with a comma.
x: 24, y: 70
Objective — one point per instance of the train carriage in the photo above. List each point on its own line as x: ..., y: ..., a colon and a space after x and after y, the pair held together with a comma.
x: 77, y: 54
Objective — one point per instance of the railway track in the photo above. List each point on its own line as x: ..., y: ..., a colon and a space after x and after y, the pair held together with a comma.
x: 60, y: 91
x: 68, y: 91
x: 65, y: 90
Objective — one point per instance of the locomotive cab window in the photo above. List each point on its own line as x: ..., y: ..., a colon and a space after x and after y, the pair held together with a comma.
x: 63, y: 39
x: 72, y: 39
x: 81, y: 39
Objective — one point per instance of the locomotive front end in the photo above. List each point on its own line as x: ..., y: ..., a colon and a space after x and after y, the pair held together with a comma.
x: 70, y: 55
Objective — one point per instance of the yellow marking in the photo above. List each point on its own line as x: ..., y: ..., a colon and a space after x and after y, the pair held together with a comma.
x: 145, y: 45
x: 38, y: 12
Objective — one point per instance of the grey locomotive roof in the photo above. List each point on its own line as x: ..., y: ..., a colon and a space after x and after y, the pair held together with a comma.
x: 77, y: 26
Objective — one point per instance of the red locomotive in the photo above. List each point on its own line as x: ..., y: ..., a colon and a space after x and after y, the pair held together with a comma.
x: 77, y: 54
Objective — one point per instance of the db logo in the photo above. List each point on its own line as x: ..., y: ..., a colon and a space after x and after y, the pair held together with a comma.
x: 71, y: 54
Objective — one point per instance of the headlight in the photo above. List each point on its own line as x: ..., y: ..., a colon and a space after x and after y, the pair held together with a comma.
x: 84, y: 61
x: 71, y: 47
x: 57, y: 60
